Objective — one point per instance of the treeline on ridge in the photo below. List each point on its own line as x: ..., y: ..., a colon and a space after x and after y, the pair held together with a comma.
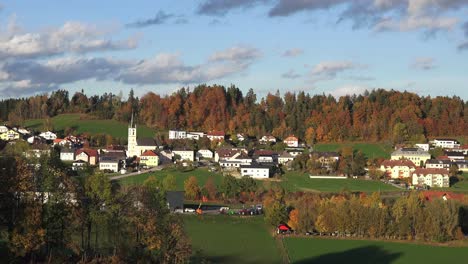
x: 375, y: 115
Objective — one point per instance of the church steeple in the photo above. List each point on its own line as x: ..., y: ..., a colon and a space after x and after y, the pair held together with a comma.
x: 132, y: 139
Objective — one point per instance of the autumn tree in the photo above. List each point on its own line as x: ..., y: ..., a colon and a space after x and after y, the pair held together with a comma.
x: 191, y: 188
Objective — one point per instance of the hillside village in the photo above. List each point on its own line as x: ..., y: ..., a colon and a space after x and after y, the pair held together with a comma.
x: 240, y: 155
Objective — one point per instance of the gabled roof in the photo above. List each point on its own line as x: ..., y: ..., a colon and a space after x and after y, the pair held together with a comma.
x: 264, y: 152
x: 291, y: 138
x: 146, y: 142
x: 425, y: 171
x: 401, y: 163
x: 89, y: 152
x: 149, y: 153
x: 454, y: 154
x: 435, y: 161
x: 216, y: 133
x: 223, y: 153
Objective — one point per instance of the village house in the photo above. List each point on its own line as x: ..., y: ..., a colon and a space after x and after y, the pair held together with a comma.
x: 78, y: 165
x: 67, y: 154
x: 9, y: 135
x: 291, y: 141
x: 438, y: 164
x: 109, y: 163
x: 38, y: 151
x: 216, y: 135
x: 416, y: 155
x: 431, y: 177
x: 423, y: 146
x: 3, y: 129
x: 327, y: 159
x: 397, y: 169
x: 48, y: 135
x: 255, y: 171
x: 195, y: 135
x: 228, y: 153
x: 90, y: 156
x: 454, y: 155
x: 165, y: 156
x: 205, y: 153
x: 184, y: 154
x: 177, y: 134
x: 265, y: 156
x: 149, y: 158
x: 445, y: 143
x: 36, y: 140
x: 285, y: 157
x: 235, y: 161
x: 462, y: 165
x: 295, y: 151
x: 267, y: 139
x: 22, y: 131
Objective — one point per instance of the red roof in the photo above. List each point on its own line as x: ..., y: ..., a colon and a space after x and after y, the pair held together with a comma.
x: 149, y: 153
x: 58, y: 140
x: 425, y: 171
x: 443, y: 158
x: 216, y: 133
x: 89, y: 152
x: 263, y: 152
x: 394, y: 163
x: 431, y: 195
x: 291, y: 138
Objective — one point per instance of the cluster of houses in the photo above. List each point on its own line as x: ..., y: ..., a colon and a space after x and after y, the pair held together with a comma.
x: 417, y: 165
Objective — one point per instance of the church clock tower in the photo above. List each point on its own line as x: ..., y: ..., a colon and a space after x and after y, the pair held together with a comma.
x: 132, y: 139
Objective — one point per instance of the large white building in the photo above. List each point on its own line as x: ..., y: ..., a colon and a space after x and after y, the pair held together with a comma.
x: 431, y: 177
x: 188, y: 155
x: 67, y: 154
x: 255, y: 171
x: 398, y: 168
x: 416, y: 155
x: 48, y: 135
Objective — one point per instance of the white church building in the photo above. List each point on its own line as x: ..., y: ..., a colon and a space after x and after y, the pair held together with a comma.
x: 136, y: 146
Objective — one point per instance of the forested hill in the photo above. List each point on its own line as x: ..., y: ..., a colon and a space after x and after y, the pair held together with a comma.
x: 376, y: 115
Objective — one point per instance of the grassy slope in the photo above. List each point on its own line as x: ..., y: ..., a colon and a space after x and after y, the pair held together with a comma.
x: 231, y: 239
x: 371, y: 150
x: 295, y: 181
x: 112, y: 127
x: 315, y: 250
x: 202, y: 176
x: 292, y: 181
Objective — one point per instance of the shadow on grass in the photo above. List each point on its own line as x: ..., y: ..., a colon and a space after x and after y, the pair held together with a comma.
x: 369, y: 254
x: 200, y: 257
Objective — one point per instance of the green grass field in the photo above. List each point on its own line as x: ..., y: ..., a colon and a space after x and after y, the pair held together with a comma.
x: 315, y: 250
x: 291, y: 181
x: 202, y: 176
x: 371, y: 150
x: 295, y: 181
x: 111, y: 127
x: 232, y: 239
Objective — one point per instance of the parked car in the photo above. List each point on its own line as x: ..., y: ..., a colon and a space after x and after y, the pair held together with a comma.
x: 224, y: 209
x: 179, y: 211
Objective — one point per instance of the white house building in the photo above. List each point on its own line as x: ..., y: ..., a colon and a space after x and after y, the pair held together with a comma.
x: 431, y: 177
x: 438, y: 164
x: 109, y: 163
x: 67, y: 155
x: 398, y: 168
x: 177, y: 134
x: 446, y: 143
x: 48, y: 135
x: 185, y: 154
x: 216, y: 135
x: 3, y: 129
x: 285, y: 157
x: 291, y: 141
x: 416, y: 155
x: 195, y: 135
x: 255, y: 171
x: 205, y: 153
x: 423, y: 146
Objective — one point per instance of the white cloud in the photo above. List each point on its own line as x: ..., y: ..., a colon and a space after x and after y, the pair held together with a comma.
x: 423, y: 63
x: 236, y: 53
x: 414, y: 23
x: 293, y: 52
x: 291, y: 74
x: 349, y: 90
x: 74, y: 37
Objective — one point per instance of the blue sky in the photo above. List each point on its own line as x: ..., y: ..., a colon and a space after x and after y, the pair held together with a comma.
x: 317, y: 46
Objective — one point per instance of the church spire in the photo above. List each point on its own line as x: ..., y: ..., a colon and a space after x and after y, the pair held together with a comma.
x: 131, y: 122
